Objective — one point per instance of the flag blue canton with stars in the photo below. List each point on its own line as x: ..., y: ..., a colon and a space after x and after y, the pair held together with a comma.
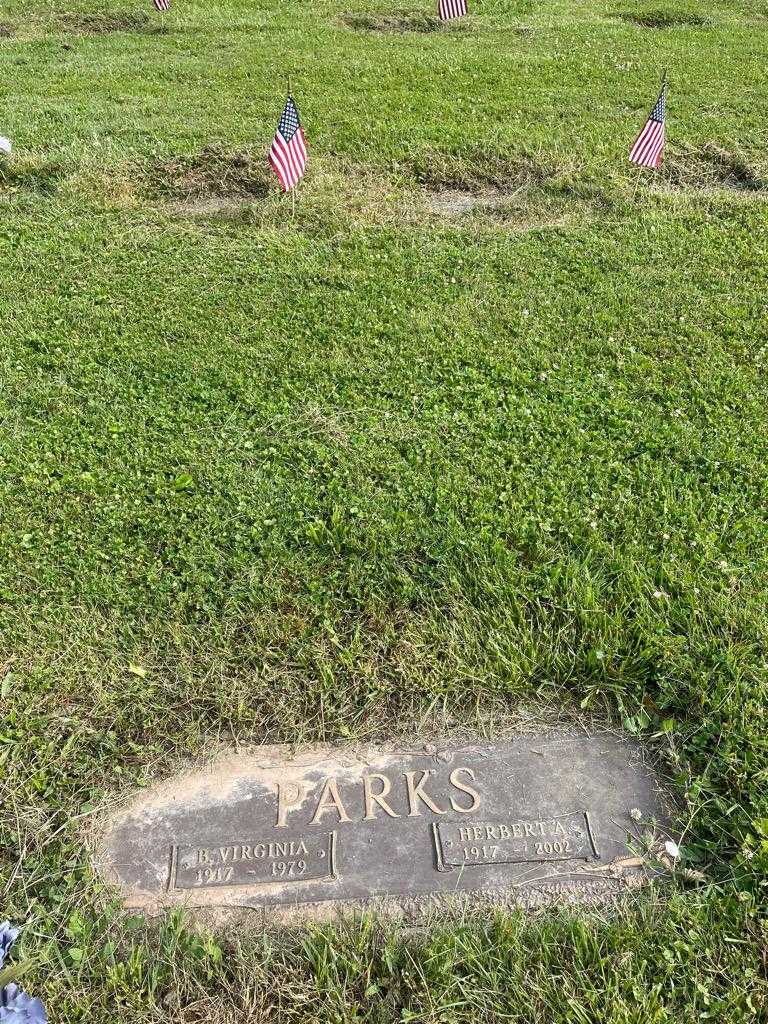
x: 289, y: 121
x: 657, y: 114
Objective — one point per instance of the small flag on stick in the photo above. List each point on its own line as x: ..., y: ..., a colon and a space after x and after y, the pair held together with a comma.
x: 449, y: 9
x: 288, y: 153
x: 162, y: 5
x: 646, y: 152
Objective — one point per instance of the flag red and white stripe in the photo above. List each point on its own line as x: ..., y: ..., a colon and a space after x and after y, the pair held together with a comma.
x: 449, y: 9
x: 646, y: 151
x: 288, y: 153
x: 162, y: 5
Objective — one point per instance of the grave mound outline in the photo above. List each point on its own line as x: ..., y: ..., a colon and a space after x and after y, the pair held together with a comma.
x: 481, y: 174
x: 27, y: 174
x: 662, y: 18
x: 395, y: 22
x: 214, y: 172
x: 102, y: 24
x: 711, y: 166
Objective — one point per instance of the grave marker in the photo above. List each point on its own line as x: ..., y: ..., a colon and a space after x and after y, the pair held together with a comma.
x: 343, y: 825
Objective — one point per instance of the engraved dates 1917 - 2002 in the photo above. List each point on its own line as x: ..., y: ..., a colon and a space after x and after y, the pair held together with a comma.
x: 474, y: 844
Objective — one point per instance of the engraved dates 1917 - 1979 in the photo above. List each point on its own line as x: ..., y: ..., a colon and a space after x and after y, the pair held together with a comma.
x: 254, y: 862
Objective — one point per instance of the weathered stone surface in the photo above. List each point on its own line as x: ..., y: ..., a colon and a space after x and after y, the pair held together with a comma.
x: 330, y: 824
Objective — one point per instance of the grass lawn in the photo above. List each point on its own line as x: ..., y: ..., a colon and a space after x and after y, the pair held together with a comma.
x: 379, y: 467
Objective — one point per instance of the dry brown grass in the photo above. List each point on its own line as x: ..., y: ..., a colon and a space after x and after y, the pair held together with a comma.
x: 77, y: 23
x: 518, y: 192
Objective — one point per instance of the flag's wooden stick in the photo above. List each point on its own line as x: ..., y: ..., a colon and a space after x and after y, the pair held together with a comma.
x: 293, y: 189
x: 637, y: 183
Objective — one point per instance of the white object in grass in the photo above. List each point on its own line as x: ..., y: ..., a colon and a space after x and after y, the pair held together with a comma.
x: 672, y: 849
x: 5, y: 145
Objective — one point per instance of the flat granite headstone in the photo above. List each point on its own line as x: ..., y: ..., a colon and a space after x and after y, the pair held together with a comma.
x: 279, y: 830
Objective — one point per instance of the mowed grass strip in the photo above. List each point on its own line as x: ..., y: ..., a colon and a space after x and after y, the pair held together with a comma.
x: 344, y: 474
x: 580, y: 80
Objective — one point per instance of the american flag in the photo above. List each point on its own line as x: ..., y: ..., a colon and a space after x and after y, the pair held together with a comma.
x: 646, y: 151
x: 448, y: 9
x: 162, y: 5
x: 288, y: 153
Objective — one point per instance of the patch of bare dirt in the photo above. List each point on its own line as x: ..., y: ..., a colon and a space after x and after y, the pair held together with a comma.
x: 515, y: 212
x: 519, y: 190
x: 392, y: 21
x: 211, y: 179
x: 662, y: 18
x: 453, y: 203
x: 101, y: 24
x: 710, y: 167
